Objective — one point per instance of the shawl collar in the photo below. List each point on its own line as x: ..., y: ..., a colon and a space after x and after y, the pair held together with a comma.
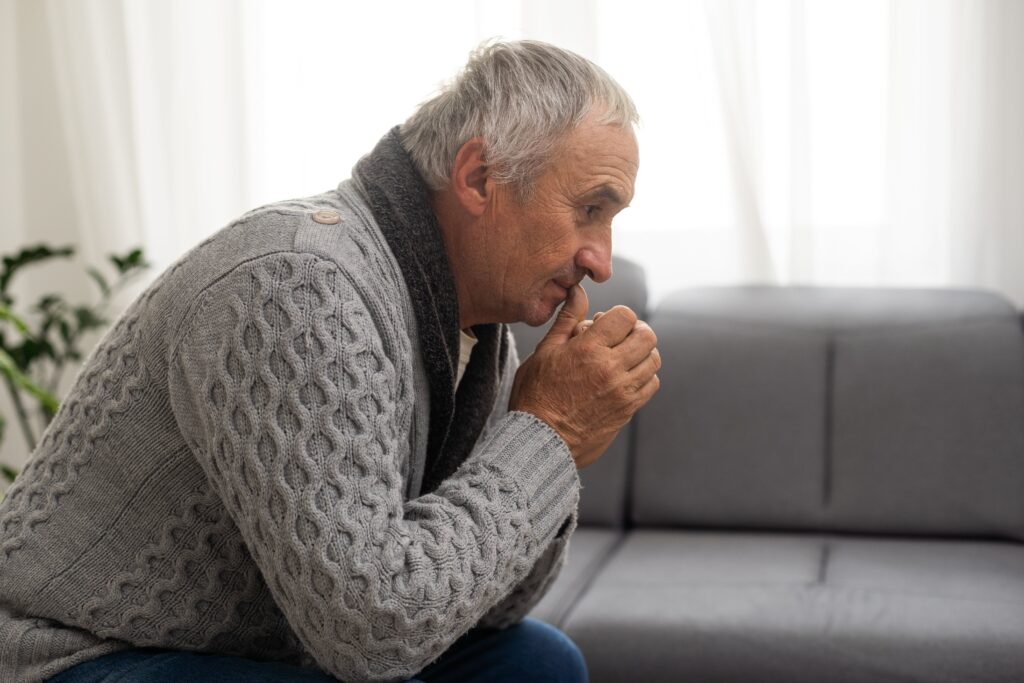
x: 400, y: 203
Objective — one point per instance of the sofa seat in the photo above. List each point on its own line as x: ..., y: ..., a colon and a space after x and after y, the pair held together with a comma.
x: 675, y: 605
x: 589, y: 549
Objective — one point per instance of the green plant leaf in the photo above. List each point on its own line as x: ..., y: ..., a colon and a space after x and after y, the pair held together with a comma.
x: 10, y: 369
x: 129, y: 261
x: 49, y: 302
x: 19, y: 324
x: 87, y: 319
x: 100, y: 281
x: 65, y: 331
x: 28, y: 256
x: 30, y: 349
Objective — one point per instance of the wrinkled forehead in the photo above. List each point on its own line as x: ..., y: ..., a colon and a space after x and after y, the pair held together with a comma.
x: 603, y: 159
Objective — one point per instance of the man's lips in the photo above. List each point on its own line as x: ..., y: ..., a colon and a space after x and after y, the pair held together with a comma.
x: 564, y: 285
x: 565, y: 290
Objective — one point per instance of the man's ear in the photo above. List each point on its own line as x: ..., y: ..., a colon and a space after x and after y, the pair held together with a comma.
x: 471, y: 177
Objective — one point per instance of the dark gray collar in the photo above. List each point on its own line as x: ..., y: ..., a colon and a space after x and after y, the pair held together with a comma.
x: 400, y: 203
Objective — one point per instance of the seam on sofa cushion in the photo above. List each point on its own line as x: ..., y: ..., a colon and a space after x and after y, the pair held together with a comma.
x: 626, y: 513
x: 823, y: 562
x: 590, y: 574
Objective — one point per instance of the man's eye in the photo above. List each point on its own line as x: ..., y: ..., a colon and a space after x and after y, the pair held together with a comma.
x: 591, y: 210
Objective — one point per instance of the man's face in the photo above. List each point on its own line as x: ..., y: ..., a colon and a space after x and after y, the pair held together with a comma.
x: 563, y: 232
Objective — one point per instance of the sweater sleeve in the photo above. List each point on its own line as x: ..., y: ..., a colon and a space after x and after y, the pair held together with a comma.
x: 283, y: 386
x: 525, y: 596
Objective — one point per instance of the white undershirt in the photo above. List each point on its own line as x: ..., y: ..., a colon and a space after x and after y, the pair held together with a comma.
x: 466, y: 344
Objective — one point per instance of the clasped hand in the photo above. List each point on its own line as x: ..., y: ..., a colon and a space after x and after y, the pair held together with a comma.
x: 587, y: 378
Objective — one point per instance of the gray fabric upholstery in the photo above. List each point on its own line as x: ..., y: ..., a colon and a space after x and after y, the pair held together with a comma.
x: 829, y: 487
x: 705, y: 606
x: 734, y: 436
x: 928, y: 431
x: 589, y: 550
x: 835, y: 409
x: 602, y: 498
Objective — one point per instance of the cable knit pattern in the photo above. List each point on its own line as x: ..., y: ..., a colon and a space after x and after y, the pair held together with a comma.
x: 110, y: 384
x: 195, y: 573
x: 230, y: 473
x: 303, y: 412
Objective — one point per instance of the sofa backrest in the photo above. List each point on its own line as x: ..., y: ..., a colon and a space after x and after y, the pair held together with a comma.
x: 602, y: 500
x: 892, y: 411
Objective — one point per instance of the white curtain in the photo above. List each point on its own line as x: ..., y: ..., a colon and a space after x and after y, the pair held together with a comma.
x: 860, y: 142
x: 857, y: 142
x: 864, y: 142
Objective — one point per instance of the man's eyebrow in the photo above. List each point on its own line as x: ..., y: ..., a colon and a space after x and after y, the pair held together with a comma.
x: 606, y: 192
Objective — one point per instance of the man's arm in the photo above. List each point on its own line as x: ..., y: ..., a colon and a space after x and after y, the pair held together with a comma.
x: 283, y: 388
x: 586, y: 378
x: 525, y: 596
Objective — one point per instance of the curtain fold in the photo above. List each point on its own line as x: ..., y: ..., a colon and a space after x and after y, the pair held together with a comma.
x: 838, y: 142
x: 94, y: 93
x: 734, y: 42
x: 886, y: 147
x: 987, y: 130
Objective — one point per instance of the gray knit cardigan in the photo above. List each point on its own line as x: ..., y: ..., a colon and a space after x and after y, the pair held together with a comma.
x: 238, y: 469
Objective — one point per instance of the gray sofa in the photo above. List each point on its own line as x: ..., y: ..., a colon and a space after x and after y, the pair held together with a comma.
x: 829, y: 487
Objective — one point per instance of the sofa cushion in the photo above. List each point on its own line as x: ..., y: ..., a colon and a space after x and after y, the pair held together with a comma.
x: 892, y: 411
x: 602, y: 499
x: 706, y: 606
x: 589, y: 549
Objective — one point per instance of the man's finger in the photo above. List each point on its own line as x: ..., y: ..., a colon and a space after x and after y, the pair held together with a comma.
x: 637, y: 346
x: 613, y: 327
x: 646, y: 368
x: 647, y: 391
x: 574, y: 310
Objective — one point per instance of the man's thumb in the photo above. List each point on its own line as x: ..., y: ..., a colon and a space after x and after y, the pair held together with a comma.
x: 573, y: 312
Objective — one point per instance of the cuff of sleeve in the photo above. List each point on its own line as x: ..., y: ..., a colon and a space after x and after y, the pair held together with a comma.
x: 535, y: 457
x: 568, y: 526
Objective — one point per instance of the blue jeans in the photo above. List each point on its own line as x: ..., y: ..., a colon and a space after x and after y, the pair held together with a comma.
x: 529, y: 651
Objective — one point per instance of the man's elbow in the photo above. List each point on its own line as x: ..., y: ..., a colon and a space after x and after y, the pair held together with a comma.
x: 372, y: 660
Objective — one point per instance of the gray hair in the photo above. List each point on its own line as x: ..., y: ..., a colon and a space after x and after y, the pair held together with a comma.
x: 521, y: 98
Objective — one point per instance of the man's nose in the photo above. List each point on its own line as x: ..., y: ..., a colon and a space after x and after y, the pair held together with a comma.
x: 596, y: 260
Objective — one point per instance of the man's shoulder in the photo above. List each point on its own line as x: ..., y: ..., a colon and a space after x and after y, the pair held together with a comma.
x: 334, y: 226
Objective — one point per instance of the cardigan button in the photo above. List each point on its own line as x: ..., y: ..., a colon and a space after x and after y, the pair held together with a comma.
x: 327, y: 217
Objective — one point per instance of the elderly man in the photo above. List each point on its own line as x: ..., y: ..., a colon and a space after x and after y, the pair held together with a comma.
x: 308, y: 451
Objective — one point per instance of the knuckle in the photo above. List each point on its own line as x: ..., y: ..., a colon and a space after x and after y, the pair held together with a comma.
x: 605, y: 371
x: 624, y: 312
x: 649, y: 336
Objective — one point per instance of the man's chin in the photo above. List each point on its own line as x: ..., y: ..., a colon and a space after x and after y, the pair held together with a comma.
x: 537, y: 313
